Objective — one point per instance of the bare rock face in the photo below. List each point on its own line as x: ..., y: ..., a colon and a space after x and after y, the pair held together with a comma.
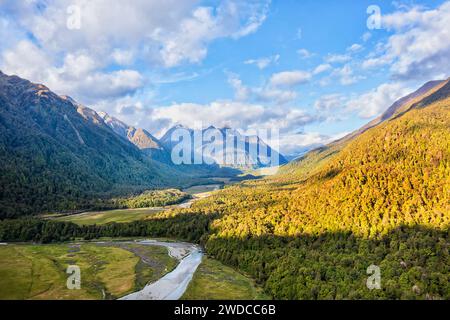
x: 141, y: 138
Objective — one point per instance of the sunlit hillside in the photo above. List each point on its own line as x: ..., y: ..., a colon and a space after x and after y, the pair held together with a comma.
x: 383, y: 199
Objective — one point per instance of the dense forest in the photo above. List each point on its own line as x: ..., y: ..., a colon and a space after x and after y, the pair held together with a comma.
x: 57, y: 155
x: 382, y: 199
x: 146, y: 199
x: 152, y: 198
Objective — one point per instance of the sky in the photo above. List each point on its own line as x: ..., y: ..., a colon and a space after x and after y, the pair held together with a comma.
x: 313, y: 70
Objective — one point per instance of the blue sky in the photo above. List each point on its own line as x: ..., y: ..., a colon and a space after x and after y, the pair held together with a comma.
x: 311, y: 69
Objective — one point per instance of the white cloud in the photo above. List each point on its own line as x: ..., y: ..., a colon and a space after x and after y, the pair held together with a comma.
x: 290, y: 78
x: 322, y: 68
x: 171, y: 77
x: 123, y: 57
x: 420, y: 45
x: 376, y: 101
x: 26, y: 60
x: 366, y: 36
x: 78, y: 75
x: 371, y: 63
x: 330, y: 102
x: 171, y: 30
x: 254, y: 12
x: 78, y: 65
x: 109, y: 85
x: 356, y: 47
x: 346, y: 75
x: 278, y: 90
x: 237, y: 115
x: 263, y: 63
x: 240, y: 90
x: 298, y: 143
x: 266, y: 93
x: 305, y: 54
x: 115, y: 33
x: 337, y: 58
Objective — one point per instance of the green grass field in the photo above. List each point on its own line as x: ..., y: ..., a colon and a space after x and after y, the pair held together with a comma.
x: 215, y: 281
x: 107, y: 270
x: 103, y: 217
x: 195, y: 190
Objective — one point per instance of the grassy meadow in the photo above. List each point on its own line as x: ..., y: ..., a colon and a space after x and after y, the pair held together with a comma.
x: 214, y: 281
x: 107, y: 271
x: 104, y: 217
x: 199, y: 189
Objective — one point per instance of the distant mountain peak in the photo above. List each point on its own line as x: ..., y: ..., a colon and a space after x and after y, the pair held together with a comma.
x: 242, y: 153
x: 139, y: 137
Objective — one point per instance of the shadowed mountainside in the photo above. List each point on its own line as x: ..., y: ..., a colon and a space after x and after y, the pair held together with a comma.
x: 58, y: 155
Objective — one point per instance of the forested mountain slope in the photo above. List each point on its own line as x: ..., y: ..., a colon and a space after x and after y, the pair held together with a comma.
x: 313, y: 160
x: 383, y: 198
x: 57, y: 155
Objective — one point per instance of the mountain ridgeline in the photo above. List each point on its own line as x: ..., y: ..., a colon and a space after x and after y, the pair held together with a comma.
x: 304, y: 166
x: 58, y: 155
x: 141, y: 138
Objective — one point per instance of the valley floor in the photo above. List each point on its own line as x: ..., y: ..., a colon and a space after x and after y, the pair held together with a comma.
x: 120, y: 268
x: 109, y: 270
x: 128, y: 215
x: 104, y: 217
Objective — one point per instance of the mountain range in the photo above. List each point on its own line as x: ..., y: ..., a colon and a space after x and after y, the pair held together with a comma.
x: 57, y: 154
x: 141, y: 138
x: 226, y: 147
